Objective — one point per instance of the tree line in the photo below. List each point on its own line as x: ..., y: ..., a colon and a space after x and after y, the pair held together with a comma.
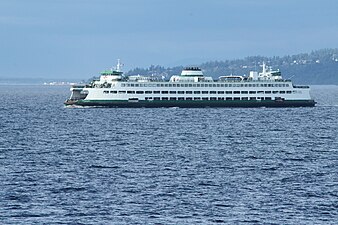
x: 316, y: 67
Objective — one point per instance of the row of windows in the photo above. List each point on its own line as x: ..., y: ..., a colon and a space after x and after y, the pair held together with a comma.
x: 202, y: 85
x: 204, y: 99
x: 199, y: 92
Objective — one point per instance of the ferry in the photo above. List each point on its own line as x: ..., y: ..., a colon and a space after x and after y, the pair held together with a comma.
x: 191, y: 89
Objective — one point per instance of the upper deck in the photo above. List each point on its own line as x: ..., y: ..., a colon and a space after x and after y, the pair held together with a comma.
x: 193, y: 77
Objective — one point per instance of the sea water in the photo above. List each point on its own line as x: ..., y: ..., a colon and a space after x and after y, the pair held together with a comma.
x: 166, y: 165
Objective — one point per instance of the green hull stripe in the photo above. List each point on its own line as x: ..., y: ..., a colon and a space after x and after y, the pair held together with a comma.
x: 197, y: 103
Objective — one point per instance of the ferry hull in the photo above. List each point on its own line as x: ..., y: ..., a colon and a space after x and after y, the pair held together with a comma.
x: 196, y: 103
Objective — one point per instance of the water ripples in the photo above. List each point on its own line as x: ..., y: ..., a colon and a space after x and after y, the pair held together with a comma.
x: 165, y: 166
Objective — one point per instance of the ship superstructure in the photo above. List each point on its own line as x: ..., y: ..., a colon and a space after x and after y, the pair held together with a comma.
x: 191, y: 89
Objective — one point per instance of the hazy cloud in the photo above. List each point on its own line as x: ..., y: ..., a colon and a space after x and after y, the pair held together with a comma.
x: 79, y: 37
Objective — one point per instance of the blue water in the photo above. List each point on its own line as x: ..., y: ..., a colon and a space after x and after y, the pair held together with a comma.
x: 168, y: 165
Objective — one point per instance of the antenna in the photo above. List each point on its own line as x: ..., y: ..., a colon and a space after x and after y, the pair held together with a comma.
x: 119, y: 65
x: 264, y: 69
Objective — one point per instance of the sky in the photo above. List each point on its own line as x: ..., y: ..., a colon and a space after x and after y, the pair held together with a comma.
x: 77, y: 39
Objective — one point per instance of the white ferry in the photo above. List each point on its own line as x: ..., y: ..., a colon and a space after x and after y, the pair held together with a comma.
x: 191, y: 89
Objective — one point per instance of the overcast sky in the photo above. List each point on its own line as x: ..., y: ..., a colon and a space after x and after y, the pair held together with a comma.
x: 79, y: 38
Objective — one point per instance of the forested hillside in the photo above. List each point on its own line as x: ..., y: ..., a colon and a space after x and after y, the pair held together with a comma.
x: 317, y: 67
